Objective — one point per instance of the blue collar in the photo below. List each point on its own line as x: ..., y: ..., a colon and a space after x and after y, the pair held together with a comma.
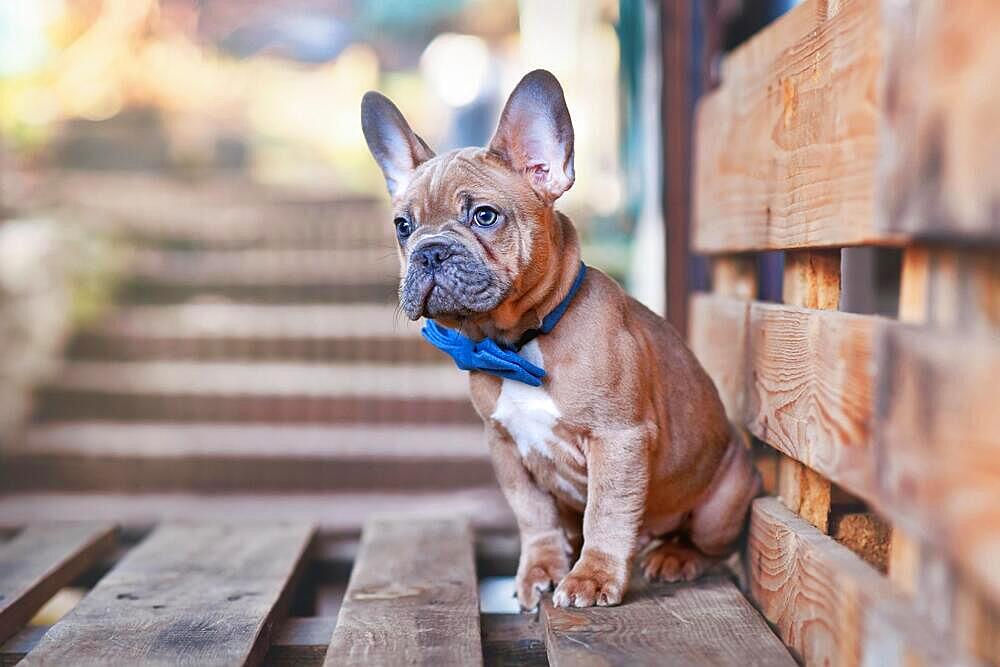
x: 491, y: 357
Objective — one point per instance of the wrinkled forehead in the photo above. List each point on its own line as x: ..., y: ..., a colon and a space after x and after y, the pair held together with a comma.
x: 445, y: 183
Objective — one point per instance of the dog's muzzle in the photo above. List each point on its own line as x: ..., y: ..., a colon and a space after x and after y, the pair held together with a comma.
x: 444, y: 277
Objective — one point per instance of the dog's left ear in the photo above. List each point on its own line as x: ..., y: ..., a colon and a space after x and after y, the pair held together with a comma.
x: 535, y: 135
x: 397, y: 149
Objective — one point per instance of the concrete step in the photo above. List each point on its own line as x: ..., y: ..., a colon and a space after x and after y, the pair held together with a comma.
x: 267, y: 267
x: 335, y: 513
x: 260, y: 332
x: 223, y: 458
x: 267, y: 276
x: 258, y: 392
x: 166, y: 213
x: 138, y: 291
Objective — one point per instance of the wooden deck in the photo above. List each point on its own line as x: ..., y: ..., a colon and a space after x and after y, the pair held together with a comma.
x: 245, y: 594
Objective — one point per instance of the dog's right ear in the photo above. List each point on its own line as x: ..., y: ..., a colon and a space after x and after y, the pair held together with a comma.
x: 535, y: 135
x: 396, y: 148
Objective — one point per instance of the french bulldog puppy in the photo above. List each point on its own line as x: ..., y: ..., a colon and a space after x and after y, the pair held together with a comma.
x: 614, y: 441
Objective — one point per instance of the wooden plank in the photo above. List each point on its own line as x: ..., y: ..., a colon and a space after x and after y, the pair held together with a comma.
x: 787, y: 146
x: 940, y: 177
x: 708, y: 622
x: 803, y: 381
x: 412, y: 597
x: 42, y: 559
x: 512, y: 640
x: 811, y: 279
x: 805, y: 492
x: 951, y: 288
x: 190, y: 594
x: 298, y: 642
x: 812, y: 387
x: 977, y: 624
x: 826, y: 603
x: 939, y: 437
x: 735, y: 276
x: 719, y: 340
x: 814, y: 378
x: 956, y: 289
x: 914, y: 307
x: 904, y: 561
x: 914, y: 285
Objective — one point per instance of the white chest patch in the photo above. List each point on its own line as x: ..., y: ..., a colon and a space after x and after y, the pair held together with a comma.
x: 528, y: 413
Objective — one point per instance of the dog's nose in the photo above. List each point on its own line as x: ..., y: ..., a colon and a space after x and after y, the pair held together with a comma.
x: 432, y: 255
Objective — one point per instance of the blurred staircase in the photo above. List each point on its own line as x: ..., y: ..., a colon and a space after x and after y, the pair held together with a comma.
x: 256, y: 362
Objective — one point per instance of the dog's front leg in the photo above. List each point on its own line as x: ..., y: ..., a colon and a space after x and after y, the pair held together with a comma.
x: 617, y: 483
x: 545, y: 550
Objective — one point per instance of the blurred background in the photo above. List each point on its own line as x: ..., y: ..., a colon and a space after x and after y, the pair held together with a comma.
x: 197, y: 264
x: 188, y: 195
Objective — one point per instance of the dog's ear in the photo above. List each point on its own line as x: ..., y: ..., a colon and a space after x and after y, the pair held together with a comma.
x: 535, y: 135
x: 396, y: 148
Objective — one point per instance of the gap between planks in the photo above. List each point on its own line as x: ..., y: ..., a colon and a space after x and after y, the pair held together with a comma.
x: 40, y: 560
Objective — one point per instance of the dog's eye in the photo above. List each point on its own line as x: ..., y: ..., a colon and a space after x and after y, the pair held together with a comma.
x: 403, y: 227
x: 485, y: 216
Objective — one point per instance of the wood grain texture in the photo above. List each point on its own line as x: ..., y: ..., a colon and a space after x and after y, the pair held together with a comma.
x: 939, y: 437
x: 786, y: 148
x: 298, y: 642
x: 708, y: 622
x: 811, y: 279
x: 803, y: 381
x: 811, y: 389
x: 719, y: 340
x: 826, y: 603
x: 939, y: 176
x: 190, y: 594
x: 412, y: 597
x: 40, y: 560
x: 805, y: 492
x: 904, y: 418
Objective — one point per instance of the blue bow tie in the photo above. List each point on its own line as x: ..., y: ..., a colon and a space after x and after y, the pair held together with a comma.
x: 489, y: 356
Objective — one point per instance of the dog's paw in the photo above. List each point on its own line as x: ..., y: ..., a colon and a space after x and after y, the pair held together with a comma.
x: 542, y: 567
x: 675, y: 562
x: 590, y: 583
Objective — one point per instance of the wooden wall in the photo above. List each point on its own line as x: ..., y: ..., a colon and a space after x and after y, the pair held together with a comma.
x: 861, y: 123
